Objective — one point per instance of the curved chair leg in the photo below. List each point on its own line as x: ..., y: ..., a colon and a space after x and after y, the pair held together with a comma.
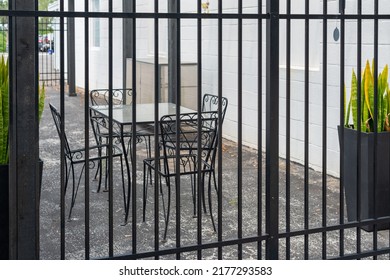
x: 210, y: 203
x: 149, y: 155
x: 144, y: 196
x: 215, y: 182
x: 76, y: 191
x: 106, y: 174
x: 203, y: 194
x: 145, y: 190
x: 99, y: 171
x: 193, y: 187
x: 123, y: 182
x: 130, y: 149
x: 100, y: 167
x: 168, y: 208
x: 127, y: 204
x: 67, y: 175
x: 73, y: 192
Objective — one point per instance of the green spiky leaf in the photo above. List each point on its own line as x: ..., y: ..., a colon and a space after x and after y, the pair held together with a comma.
x: 354, y: 99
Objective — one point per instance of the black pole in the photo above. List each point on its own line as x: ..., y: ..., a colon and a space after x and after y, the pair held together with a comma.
x: 341, y: 6
x: 128, y: 7
x: 71, y: 52
x: 172, y: 52
x: 272, y: 131
x: 24, y: 135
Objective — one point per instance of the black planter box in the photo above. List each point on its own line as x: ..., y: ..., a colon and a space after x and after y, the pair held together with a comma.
x: 4, y: 209
x: 367, y: 174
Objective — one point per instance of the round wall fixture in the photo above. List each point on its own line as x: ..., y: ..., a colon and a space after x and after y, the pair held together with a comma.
x: 336, y: 34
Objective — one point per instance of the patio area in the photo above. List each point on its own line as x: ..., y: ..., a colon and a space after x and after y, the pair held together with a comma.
x: 99, y: 227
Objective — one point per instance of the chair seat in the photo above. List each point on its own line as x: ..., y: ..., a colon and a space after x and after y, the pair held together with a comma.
x: 78, y: 155
x: 141, y: 131
x: 188, y: 165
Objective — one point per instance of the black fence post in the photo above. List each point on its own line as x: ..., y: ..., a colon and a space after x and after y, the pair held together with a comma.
x: 24, y: 135
x: 172, y: 52
x: 341, y: 6
x: 71, y: 49
x: 128, y: 7
x: 272, y: 130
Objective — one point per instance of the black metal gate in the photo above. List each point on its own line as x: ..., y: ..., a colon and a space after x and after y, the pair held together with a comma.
x: 49, y: 58
x: 271, y: 205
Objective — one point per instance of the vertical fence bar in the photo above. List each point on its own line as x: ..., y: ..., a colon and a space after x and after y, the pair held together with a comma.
x: 376, y: 121
x: 307, y: 138
x: 272, y: 131
x: 133, y: 153
x: 11, y: 195
x: 239, y: 138
x: 38, y: 186
x: 341, y: 5
x: 199, y: 109
x: 71, y: 51
x: 178, y: 104
x: 342, y: 83
x: 127, y: 42
x: 260, y: 129
x: 49, y: 60
x: 156, y: 131
x: 44, y: 43
x: 48, y: 75
x: 86, y: 128
x: 172, y: 51
x: 110, y: 142
x: 62, y: 145
x: 24, y: 138
x: 288, y: 128
x: 220, y: 59
x: 359, y: 124
x: 41, y: 61
x: 129, y: 37
x: 324, y: 125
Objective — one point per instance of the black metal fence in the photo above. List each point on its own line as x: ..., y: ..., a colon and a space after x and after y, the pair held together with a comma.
x: 49, y: 57
x: 296, y: 212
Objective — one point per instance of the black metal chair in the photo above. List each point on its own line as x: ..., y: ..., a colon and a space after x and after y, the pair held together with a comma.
x: 77, y: 157
x: 188, y: 156
x: 101, y: 96
x: 210, y: 103
x: 100, y: 125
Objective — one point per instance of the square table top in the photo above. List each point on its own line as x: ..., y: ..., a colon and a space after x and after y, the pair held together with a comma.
x: 123, y: 114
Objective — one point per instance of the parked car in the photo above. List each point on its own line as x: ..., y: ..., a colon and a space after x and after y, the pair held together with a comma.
x: 41, y: 47
x: 44, y: 44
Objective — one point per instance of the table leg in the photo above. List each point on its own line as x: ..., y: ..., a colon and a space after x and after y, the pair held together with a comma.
x: 127, y: 199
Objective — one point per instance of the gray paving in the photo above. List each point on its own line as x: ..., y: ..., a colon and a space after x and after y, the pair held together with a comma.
x: 99, y: 228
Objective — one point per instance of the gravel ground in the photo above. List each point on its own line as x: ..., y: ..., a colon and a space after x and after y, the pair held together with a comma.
x: 123, y: 236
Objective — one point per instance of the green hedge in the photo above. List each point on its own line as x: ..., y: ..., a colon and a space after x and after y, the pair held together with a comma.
x: 3, y: 41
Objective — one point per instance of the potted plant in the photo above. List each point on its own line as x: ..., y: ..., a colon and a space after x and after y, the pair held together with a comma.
x: 4, y: 154
x: 374, y: 162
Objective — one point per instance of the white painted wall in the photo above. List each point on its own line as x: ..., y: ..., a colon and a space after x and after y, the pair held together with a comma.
x: 145, y: 47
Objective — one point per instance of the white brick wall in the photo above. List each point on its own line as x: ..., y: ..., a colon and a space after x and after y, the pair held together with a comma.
x: 98, y: 68
x: 145, y: 47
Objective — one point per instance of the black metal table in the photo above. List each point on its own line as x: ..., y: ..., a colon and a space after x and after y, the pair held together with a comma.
x: 122, y: 116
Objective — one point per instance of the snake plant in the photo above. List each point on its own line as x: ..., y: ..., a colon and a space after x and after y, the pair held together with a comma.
x: 4, y: 109
x: 367, y: 101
